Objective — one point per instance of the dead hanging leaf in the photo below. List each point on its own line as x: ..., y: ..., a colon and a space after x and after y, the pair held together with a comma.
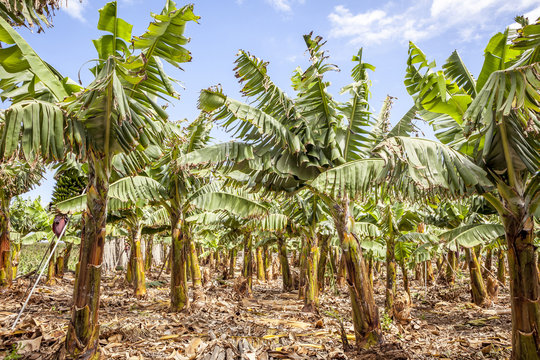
x: 193, y: 347
x: 28, y: 346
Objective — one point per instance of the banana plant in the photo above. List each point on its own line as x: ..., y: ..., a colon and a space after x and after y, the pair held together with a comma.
x: 316, y: 142
x: 306, y: 210
x: 116, y: 113
x: 138, y: 216
x: 237, y: 211
x: 393, y: 219
x: 465, y: 229
x: 16, y: 177
x: 295, y: 140
x: 32, y: 224
x: 26, y: 217
x: 183, y: 183
x: 127, y: 203
x: 494, y: 119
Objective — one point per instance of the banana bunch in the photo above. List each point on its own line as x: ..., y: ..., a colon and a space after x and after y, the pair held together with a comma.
x: 69, y: 183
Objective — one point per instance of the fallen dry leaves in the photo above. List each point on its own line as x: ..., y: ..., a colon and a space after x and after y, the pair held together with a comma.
x: 271, y: 325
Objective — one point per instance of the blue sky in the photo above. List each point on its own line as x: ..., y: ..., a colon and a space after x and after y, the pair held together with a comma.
x: 273, y: 29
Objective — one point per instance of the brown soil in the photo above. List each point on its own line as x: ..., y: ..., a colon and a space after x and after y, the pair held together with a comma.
x: 271, y: 325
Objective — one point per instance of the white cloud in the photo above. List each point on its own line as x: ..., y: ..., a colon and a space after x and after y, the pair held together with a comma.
x: 374, y: 26
x: 291, y: 58
x: 284, y: 6
x: 280, y: 5
x: 455, y: 10
x: 423, y: 20
x: 75, y: 9
x: 533, y: 15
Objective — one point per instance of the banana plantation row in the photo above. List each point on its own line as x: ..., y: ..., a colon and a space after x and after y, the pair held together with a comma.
x: 327, y: 178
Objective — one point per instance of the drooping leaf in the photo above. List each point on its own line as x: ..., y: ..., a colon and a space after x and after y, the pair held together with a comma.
x: 471, y: 235
x: 128, y: 189
x: 236, y: 204
x: 354, y: 178
x: 23, y: 57
x: 422, y: 167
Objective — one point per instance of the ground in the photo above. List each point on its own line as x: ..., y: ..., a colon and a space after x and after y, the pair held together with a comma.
x: 224, y: 325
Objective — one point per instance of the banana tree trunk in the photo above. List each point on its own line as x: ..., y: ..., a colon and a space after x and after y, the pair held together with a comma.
x: 218, y: 258
x: 342, y: 271
x: 267, y: 260
x: 370, y: 267
x: 378, y: 266
x: 284, y: 261
x: 451, y: 267
x: 224, y: 258
x: 15, y: 253
x: 501, y: 266
x: 333, y: 261
x: 51, y: 272
x: 148, y: 253
x: 83, y: 330
x: 390, y: 275
x: 188, y: 262
x: 62, y: 260
x: 260, y: 265
x: 478, y: 288
x: 321, y: 271
x: 405, y: 273
x: 248, y: 264
x: 232, y: 264
x: 418, y: 272
x: 429, y: 276
x: 195, y: 268
x: 488, y: 263
x: 524, y: 287
x: 302, y: 264
x: 139, y: 278
x: 365, y: 315
x: 130, y: 265
x: 311, y: 299
x: 6, y: 271
x: 164, y: 252
x: 59, y: 266
x: 179, y: 287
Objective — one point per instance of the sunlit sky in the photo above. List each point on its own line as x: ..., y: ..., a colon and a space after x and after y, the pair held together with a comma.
x: 273, y: 29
